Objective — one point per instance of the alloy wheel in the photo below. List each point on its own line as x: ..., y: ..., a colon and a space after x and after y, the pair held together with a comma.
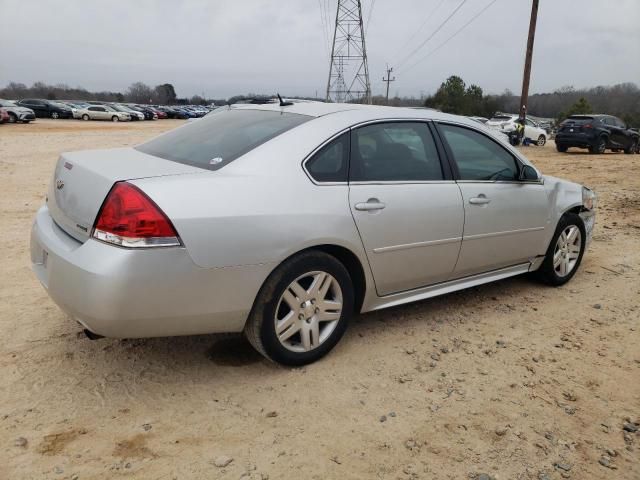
x: 308, y: 311
x: 541, y: 141
x: 567, y: 251
x: 55, y: 115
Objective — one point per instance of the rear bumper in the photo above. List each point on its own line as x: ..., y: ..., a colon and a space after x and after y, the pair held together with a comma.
x: 123, y: 293
x: 575, y: 140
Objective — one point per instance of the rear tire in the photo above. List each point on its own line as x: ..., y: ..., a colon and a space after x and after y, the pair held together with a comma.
x: 85, y: 117
x: 13, y: 118
x: 561, y: 148
x: 561, y: 263
x: 541, y: 141
x: 287, y: 334
x: 115, y: 118
x: 599, y: 147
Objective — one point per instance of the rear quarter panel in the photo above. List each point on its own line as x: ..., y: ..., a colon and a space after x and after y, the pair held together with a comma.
x: 261, y: 208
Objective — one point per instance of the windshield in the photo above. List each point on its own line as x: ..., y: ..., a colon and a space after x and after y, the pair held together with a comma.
x: 215, y: 141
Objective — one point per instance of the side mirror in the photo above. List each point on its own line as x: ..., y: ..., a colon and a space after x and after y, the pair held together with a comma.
x: 529, y: 174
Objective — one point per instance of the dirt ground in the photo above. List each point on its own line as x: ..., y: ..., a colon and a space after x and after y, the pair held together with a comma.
x: 513, y: 380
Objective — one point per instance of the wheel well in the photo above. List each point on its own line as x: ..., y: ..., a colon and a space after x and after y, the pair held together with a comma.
x: 353, y: 266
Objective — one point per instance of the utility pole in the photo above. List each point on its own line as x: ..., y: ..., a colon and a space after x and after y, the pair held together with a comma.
x: 348, y: 68
x: 524, y: 98
x: 388, y: 80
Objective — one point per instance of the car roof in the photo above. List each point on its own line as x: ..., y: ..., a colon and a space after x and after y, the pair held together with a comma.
x: 374, y: 112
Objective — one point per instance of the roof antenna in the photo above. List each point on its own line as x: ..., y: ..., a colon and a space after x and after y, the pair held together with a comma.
x: 282, y: 102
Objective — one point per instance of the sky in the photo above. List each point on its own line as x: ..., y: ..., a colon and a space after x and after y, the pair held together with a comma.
x: 224, y: 47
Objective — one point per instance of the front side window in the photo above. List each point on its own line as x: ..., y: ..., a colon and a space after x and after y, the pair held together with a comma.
x: 477, y: 156
x: 331, y: 163
x: 214, y: 141
x: 395, y: 151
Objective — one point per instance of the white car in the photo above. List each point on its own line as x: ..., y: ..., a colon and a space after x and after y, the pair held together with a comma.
x: 101, y: 112
x: 17, y: 113
x: 506, y: 123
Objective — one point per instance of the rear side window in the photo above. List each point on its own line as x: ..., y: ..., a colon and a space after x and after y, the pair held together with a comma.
x: 331, y: 162
x: 477, y: 156
x: 214, y: 141
x: 395, y: 151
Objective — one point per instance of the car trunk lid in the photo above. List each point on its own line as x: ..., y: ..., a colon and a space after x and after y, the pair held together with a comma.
x: 82, y: 180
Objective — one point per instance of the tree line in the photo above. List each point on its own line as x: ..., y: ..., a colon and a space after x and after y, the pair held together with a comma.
x: 453, y: 96
x: 621, y: 100
x: 138, y: 92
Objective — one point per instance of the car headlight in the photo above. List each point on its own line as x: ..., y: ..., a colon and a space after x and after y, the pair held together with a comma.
x: 589, y: 198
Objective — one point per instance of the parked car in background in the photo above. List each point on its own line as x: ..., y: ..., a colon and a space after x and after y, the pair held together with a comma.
x: 597, y: 133
x: 285, y: 221
x: 480, y: 119
x: 102, y: 112
x: 133, y: 114
x: 4, y: 115
x: 17, y: 113
x: 506, y: 123
x: 148, y: 114
x: 46, y: 108
x: 159, y: 113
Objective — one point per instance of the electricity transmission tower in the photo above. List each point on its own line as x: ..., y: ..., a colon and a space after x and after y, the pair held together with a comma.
x: 348, y: 68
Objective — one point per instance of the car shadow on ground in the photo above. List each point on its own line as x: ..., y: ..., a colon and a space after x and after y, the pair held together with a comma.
x: 233, y: 351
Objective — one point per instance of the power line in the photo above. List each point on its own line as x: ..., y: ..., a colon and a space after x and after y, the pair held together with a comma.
x: 325, y: 26
x: 415, y: 34
x: 451, y: 37
x: 446, y: 20
x: 366, y: 27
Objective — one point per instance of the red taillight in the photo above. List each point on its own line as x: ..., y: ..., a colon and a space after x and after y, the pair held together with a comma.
x: 588, y: 125
x: 129, y: 218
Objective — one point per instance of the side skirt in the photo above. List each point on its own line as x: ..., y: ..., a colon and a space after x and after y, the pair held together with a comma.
x: 447, y: 287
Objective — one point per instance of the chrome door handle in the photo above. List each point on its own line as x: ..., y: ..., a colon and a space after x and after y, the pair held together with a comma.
x: 370, y: 205
x: 479, y: 200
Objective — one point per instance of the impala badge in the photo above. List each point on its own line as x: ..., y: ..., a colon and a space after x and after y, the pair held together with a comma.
x: 59, y: 184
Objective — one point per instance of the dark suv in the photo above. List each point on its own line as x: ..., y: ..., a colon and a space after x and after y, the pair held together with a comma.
x: 597, y: 133
x: 47, y: 108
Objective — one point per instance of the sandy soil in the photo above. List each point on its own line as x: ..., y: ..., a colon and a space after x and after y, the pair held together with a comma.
x: 514, y: 380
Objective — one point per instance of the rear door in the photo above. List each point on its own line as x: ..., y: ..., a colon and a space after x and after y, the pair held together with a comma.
x: 406, y: 206
x: 97, y: 113
x: 505, y: 218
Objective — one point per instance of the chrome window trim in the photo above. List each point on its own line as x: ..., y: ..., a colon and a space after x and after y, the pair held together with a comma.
x: 316, y: 150
x: 363, y: 124
x: 400, y: 182
x: 515, y: 155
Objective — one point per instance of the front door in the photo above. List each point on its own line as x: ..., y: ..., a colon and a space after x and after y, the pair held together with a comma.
x: 505, y: 218
x: 408, y: 213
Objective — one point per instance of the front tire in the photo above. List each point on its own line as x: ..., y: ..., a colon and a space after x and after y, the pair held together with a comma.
x: 565, y: 252
x: 55, y: 115
x: 302, y: 310
x: 13, y: 118
x: 632, y: 148
x: 599, y: 147
x: 85, y: 117
x: 542, y: 140
x: 115, y: 118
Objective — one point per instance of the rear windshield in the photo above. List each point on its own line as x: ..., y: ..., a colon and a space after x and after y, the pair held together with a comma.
x: 216, y: 140
x: 578, y: 119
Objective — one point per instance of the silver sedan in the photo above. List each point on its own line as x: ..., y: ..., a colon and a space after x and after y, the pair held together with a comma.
x: 283, y: 221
